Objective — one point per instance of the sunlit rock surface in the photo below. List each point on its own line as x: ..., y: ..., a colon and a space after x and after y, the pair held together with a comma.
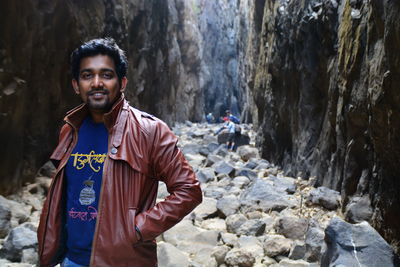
x: 326, y: 94
x: 35, y: 92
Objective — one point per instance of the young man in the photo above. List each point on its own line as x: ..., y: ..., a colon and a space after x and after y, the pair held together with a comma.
x: 100, y: 209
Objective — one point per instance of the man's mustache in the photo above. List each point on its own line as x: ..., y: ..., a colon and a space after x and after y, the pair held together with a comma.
x: 95, y: 91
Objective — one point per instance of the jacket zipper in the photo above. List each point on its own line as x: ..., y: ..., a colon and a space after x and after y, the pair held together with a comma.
x: 100, y: 204
x: 56, y: 176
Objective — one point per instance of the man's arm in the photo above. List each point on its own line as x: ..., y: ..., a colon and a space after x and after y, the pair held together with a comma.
x: 171, y: 167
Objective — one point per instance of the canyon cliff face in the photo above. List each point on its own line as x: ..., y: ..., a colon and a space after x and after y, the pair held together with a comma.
x: 35, y: 92
x: 318, y: 78
x: 327, y: 98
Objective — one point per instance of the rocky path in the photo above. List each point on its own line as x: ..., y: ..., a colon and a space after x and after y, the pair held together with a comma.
x: 251, y: 215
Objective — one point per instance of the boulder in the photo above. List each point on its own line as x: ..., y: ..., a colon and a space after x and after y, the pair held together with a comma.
x: 5, y: 218
x: 219, y: 253
x: 253, y: 227
x: 234, y: 221
x: 223, y: 167
x: 298, y: 250
x: 205, y: 175
x: 359, y: 209
x: 251, y: 244
x: 247, y: 152
x: 207, y: 209
x: 327, y: 198
x: 182, y: 231
x: 212, y: 159
x: 227, y: 205
x: 284, y: 184
x: 239, y: 257
x: 276, y: 245
x: 240, y: 139
x: 240, y: 181
x: 356, y: 245
x: 20, y: 238
x: 314, y: 242
x: 261, y: 195
x: 292, y: 227
x: 169, y: 256
x: 246, y: 172
x: 214, y: 224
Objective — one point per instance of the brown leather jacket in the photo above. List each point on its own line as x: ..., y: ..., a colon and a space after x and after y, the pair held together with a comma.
x: 142, y: 151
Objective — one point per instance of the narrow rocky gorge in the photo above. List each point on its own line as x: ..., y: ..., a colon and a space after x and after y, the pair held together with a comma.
x: 252, y: 215
x: 317, y: 78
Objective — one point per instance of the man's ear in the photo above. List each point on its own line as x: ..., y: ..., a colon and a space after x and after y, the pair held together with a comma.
x: 124, y: 82
x: 76, y: 86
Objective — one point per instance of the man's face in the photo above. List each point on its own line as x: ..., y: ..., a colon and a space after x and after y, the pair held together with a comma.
x: 98, y: 83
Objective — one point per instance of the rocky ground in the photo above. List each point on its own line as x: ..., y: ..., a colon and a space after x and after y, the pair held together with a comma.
x: 251, y: 215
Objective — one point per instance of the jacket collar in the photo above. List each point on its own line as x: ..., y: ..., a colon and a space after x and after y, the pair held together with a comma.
x: 76, y: 116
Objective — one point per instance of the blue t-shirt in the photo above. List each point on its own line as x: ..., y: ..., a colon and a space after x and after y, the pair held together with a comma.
x: 84, y: 173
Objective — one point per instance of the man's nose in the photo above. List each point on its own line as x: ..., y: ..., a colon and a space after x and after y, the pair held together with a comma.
x: 97, y: 82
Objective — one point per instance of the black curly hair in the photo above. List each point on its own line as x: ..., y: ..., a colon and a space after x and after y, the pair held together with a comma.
x: 102, y: 46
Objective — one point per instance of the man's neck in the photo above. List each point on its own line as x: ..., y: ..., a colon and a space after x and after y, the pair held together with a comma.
x: 97, y: 116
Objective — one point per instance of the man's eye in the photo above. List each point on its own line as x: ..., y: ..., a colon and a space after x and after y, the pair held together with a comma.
x: 108, y: 76
x: 86, y: 75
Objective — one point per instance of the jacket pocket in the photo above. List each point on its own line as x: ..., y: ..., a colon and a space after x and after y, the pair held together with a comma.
x: 131, y: 225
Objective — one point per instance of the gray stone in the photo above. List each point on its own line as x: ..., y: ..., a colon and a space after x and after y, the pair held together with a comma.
x: 247, y: 152
x: 30, y: 255
x: 254, y: 227
x: 184, y: 230
x: 229, y: 239
x: 20, y: 238
x: 169, y: 256
x: 261, y: 195
x: 221, y: 151
x: 214, y: 191
x: 205, y: 175
x: 224, y: 168
x: 356, y: 245
x: 246, y: 172
x: 284, y: 184
x: 227, y: 205
x: 239, y: 257
x: 207, y: 209
x: 219, y: 253
x: 5, y: 218
x: 212, y: 159
x: 251, y: 244
x: 234, y: 221
x: 240, y: 181
x: 292, y: 227
x: 47, y: 170
x: 298, y: 250
x: 293, y: 263
x: 191, y: 149
x: 251, y: 164
x: 314, y: 242
x: 214, y: 224
x: 325, y: 197
x: 358, y: 210
x: 276, y: 245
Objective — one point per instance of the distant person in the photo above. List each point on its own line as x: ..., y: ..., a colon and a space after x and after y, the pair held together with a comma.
x: 230, y: 126
x: 100, y: 209
x: 232, y: 117
x: 210, y: 118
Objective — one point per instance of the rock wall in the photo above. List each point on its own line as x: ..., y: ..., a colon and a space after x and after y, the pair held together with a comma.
x: 327, y: 100
x: 35, y: 92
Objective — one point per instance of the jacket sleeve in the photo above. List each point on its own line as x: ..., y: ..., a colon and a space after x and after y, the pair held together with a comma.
x: 171, y: 167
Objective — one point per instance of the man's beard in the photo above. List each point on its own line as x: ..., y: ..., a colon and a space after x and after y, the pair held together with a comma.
x: 104, y: 104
